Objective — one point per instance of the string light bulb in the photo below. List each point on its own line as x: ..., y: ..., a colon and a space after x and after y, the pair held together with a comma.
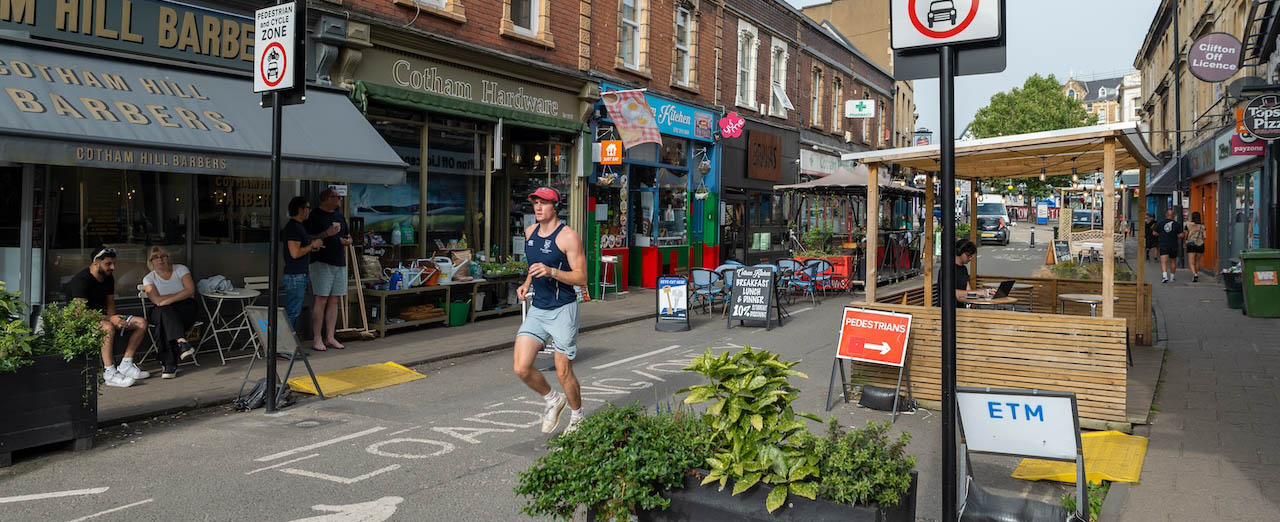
x: 1042, y: 176
x: 537, y: 157
x: 1075, y: 178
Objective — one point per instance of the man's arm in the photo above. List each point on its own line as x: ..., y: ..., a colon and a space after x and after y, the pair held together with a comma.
x: 571, y: 245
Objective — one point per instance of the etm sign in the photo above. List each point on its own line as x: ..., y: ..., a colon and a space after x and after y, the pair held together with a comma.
x: 1030, y: 423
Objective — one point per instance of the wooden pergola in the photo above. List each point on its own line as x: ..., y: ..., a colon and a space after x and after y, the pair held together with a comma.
x: 1106, y: 148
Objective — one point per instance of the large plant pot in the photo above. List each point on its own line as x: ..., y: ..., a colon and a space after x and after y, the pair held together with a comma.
x: 696, y: 502
x: 49, y: 401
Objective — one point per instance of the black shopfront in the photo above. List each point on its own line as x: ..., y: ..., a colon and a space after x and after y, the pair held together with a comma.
x: 753, y: 217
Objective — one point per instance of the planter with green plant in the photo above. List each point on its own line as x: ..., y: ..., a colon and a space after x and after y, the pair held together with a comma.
x: 49, y: 379
x: 624, y: 465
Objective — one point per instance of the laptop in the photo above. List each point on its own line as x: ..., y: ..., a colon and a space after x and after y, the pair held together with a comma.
x: 1003, y: 291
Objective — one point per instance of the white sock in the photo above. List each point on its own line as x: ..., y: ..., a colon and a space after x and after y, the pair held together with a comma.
x: 109, y: 369
x: 575, y: 414
x: 550, y: 397
x: 126, y: 361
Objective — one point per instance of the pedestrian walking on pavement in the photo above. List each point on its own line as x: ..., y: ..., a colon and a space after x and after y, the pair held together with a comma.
x: 1150, y: 231
x: 96, y: 287
x: 1169, y: 233
x: 328, y: 269
x: 1195, y: 245
x: 556, y: 264
x: 297, y: 258
x: 170, y: 289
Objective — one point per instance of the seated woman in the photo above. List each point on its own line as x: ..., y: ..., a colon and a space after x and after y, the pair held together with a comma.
x: 170, y: 289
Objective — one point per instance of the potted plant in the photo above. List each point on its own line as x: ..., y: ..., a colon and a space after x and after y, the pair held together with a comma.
x: 624, y: 465
x: 49, y: 378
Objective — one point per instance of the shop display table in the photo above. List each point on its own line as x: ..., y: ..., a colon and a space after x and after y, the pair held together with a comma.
x: 419, y: 294
x: 494, y: 281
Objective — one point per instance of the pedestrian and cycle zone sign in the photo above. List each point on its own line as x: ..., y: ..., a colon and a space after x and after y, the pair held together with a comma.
x: 874, y: 337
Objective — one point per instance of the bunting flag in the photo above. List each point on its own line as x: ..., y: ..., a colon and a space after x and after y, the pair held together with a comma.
x: 632, y: 117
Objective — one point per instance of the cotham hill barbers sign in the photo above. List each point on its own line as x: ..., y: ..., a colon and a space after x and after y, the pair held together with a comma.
x: 149, y: 27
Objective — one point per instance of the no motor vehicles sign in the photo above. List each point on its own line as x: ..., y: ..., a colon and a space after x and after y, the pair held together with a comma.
x: 874, y: 337
x: 273, y: 52
x: 929, y: 23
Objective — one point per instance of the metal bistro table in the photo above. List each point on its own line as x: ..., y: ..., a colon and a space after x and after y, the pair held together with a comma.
x: 991, y: 302
x: 1093, y: 300
x: 236, y: 324
x: 1022, y: 289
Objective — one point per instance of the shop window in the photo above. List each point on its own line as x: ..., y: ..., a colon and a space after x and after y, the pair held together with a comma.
x: 455, y: 185
x: 385, y: 208
x: 528, y: 20
x: 451, y: 9
x: 748, y: 41
x: 533, y: 164
x: 683, y: 66
x: 674, y: 151
x: 129, y: 210
x: 660, y: 198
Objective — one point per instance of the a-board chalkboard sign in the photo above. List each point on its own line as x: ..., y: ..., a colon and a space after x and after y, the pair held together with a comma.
x: 673, y: 304
x: 753, y: 296
x: 1061, y: 251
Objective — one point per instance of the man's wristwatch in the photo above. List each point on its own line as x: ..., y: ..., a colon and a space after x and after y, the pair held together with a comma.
x: 554, y: 272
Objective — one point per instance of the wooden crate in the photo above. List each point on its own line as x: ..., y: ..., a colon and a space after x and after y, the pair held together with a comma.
x: 1003, y: 349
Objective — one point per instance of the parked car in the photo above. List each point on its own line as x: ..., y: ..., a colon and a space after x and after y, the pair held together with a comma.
x: 993, y: 229
x: 941, y: 10
x: 1085, y: 220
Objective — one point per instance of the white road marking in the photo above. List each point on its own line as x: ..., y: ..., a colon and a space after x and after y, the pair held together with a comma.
x: 376, y: 449
x: 468, y: 434
x: 113, y: 510
x: 335, y: 478
x: 635, y: 357
x: 651, y: 376
x: 320, y: 444
x: 805, y: 309
x: 403, y: 431
x: 285, y: 463
x: 492, y: 406
x: 55, y: 494
x: 480, y: 417
x: 375, y: 511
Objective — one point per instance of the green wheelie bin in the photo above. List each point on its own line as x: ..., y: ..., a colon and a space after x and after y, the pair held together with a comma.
x: 1261, y: 282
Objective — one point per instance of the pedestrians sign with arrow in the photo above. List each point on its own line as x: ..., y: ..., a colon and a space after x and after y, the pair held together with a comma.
x: 874, y: 337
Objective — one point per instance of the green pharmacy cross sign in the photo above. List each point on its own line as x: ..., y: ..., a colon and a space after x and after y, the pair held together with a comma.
x: 860, y: 109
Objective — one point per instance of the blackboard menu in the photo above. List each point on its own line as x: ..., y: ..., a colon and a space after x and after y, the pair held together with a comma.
x: 753, y: 295
x: 1061, y: 251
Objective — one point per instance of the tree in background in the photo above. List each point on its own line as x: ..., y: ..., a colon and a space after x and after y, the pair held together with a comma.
x: 1039, y: 105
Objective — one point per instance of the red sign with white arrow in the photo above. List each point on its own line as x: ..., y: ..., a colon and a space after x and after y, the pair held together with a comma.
x: 873, y: 336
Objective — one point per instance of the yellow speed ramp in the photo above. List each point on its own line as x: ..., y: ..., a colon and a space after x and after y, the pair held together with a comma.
x: 356, y: 379
x: 1108, y: 455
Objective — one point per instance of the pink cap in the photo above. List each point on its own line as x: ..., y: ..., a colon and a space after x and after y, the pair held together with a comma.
x: 546, y: 193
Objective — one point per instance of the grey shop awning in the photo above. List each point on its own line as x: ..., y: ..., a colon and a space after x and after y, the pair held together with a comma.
x: 63, y: 107
x: 1165, y: 181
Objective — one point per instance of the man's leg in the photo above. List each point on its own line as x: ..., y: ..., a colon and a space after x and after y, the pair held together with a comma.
x: 568, y: 381
x: 526, y: 351
x: 317, y: 322
x: 331, y: 319
x: 137, y: 330
x: 108, y: 343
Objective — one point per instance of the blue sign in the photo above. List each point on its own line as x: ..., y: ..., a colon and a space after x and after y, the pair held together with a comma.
x: 676, y: 119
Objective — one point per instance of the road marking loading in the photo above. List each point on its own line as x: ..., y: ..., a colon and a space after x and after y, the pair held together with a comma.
x: 113, y: 510
x: 404, y: 430
x: 335, y: 478
x: 320, y: 444
x: 55, y: 494
x: 635, y: 357
x: 285, y: 463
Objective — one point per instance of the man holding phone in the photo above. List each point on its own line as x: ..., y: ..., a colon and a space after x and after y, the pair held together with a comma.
x: 328, y: 269
x: 95, y: 286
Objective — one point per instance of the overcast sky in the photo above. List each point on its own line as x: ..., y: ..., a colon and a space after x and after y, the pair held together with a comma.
x: 1085, y: 37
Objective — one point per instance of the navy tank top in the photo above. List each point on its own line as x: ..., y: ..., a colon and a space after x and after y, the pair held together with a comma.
x: 548, y: 293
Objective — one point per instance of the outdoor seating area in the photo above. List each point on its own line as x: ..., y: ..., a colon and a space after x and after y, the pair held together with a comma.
x: 808, y: 279
x: 1056, y: 334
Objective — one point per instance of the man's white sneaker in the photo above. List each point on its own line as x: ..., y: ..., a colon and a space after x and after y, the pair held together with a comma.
x: 132, y: 371
x: 551, y: 416
x: 117, y: 379
x: 573, y: 422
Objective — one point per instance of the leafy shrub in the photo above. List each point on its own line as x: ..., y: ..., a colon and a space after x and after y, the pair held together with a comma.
x: 757, y: 437
x: 863, y: 465
x: 1097, y: 493
x: 817, y: 240
x: 15, y: 345
x: 962, y: 230
x: 1088, y: 271
x: 619, y: 460
x: 71, y: 330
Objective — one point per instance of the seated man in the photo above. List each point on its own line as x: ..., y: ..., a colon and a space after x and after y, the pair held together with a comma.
x: 965, y: 252
x: 96, y: 287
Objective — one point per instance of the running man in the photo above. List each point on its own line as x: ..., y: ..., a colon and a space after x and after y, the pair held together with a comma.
x: 556, y: 265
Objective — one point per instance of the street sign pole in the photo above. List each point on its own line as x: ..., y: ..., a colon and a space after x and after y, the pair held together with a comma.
x: 273, y: 302
x: 947, y: 145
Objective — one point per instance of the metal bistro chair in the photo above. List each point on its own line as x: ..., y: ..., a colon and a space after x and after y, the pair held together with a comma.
x: 823, y: 274
x: 144, y: 303
x: 806, y: 280
x: 703, y: 286
x: 725, y: 289
x: 784, y: 279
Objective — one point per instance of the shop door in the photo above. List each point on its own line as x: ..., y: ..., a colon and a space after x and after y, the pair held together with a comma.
x: 1209, y: 215
x: 733, y: 231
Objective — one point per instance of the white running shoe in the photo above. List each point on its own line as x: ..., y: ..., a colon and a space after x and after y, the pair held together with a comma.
x: 551, y: 416
x: 132, y: 371
x: 117, y: 379
x: 574, y: 419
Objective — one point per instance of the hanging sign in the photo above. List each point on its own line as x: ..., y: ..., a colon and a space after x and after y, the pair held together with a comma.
x: 874, y: 337
x: 1214, y: 57
x: 924, y: 23
x: 731, y: 125
x: 673, y: 304
x: 611, y: 152
x: 1262, y: 117
x: 753, y: 295
x: 860, y: 109
x: 273, y: 54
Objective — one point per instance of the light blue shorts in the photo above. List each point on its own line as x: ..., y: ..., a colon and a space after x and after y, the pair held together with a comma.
x: 560, y: 324
x: 328, y: 280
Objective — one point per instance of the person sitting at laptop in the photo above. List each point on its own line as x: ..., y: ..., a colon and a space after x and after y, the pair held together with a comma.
x: 965, y: 252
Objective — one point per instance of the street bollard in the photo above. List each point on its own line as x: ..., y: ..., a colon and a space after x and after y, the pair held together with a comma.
x: 1033, y: 237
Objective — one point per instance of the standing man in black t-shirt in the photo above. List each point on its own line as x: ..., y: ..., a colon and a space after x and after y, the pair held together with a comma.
x: 328, y: 269
x: 297, y: 258
x: 96, y: 287
x: 1169, y: 234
